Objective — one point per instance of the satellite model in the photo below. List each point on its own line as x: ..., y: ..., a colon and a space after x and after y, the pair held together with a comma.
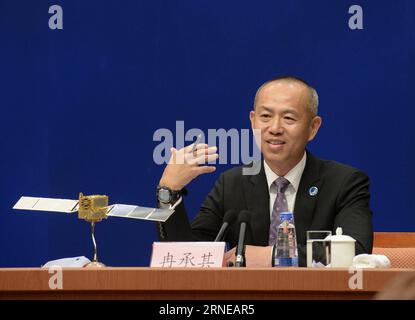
x: 93, y: 209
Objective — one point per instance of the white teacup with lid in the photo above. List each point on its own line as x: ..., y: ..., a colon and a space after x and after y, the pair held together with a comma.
x: 342, y: 250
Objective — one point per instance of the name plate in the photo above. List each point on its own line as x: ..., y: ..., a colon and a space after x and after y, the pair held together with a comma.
x: 188, y: 254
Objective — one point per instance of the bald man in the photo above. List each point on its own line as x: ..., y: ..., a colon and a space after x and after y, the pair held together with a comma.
x: 322, y: 194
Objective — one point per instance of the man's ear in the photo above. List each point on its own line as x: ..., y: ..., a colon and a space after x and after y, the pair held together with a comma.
x: 314, y: 126
x: 252, y: 118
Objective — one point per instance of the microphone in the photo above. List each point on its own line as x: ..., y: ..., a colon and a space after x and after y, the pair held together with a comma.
x: 244, y: 218
x: 228, y: 218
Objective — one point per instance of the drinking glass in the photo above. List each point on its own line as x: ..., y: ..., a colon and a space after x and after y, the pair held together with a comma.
x: 318, y: 249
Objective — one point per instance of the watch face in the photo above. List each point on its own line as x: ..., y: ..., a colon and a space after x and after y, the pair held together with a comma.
x: 164, y: 195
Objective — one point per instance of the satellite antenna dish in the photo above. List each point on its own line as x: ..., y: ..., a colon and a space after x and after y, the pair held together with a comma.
x: 93, y: 209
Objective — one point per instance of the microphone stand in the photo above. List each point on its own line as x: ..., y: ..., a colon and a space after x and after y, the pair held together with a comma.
x: 240, y: 250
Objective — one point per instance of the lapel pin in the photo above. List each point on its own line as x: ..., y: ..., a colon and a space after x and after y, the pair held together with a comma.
x: 313, y: 191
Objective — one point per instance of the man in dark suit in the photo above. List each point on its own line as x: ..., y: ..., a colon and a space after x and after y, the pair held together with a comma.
x: 323, y: 195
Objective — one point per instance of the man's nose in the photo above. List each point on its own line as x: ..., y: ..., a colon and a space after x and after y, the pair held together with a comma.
x: 276, y: 126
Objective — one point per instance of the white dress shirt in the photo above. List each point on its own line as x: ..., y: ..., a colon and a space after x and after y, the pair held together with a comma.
x: 293, y: 176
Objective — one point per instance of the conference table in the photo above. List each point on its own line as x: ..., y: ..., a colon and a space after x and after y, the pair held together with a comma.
x: 194, y: 283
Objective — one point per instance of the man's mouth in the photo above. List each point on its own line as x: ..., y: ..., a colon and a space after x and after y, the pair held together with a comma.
x: 275, y: 142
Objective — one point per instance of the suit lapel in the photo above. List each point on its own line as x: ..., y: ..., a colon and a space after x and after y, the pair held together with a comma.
x: 305, y: 202
x: 257, y: 201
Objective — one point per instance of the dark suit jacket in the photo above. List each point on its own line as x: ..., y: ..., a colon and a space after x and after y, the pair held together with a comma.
x: 342, y: 201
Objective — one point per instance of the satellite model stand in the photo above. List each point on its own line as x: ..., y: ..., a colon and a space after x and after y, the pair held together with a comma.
x: 93, y: 209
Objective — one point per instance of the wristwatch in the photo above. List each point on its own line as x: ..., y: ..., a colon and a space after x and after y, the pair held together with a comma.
x: 166, y: 195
